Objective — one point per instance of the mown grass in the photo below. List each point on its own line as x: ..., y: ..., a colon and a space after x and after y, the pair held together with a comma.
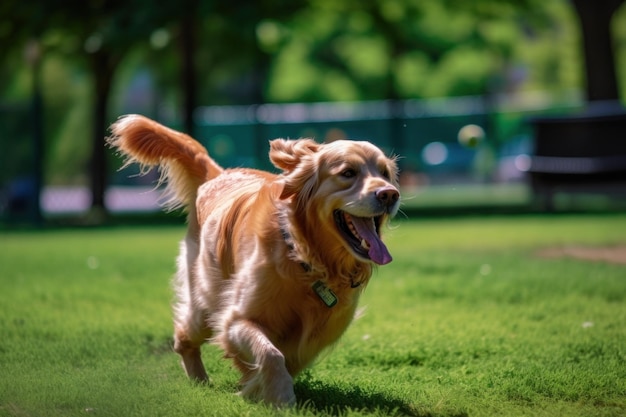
x: 467, y: 321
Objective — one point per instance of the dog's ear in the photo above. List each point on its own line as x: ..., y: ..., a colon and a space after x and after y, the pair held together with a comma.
x: 294, y: 157
x: 287, y: 154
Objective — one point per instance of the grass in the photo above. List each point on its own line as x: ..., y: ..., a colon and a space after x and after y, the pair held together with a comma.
x: 467, y: 195
x: 467, y: 321
x: 509, y: 198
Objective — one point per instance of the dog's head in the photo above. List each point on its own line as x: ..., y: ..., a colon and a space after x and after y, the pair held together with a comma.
x: 346, y: 190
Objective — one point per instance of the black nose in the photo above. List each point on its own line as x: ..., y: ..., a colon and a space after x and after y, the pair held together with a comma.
x: 387, y: 195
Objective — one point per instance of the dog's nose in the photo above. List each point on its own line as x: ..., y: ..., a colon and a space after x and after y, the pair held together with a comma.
x: 387, y: 195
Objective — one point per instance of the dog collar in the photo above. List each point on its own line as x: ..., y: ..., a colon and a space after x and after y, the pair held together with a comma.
x: 307, y: 267
x: 291, y: 247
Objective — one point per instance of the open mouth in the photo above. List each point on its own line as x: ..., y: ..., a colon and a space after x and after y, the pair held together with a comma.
x: 363, y: 237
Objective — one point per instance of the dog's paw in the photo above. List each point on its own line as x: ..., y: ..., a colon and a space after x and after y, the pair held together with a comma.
x: 276, y: 390
x: 280, y: 393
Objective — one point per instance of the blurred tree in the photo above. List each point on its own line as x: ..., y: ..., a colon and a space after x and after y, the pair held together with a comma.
x: 244, y: 37
x: 377, y: 49
x: 236, y: 38
x: 595, y: 22
x: 187, y: 29
x: 33, y: 55
x: 97, y: 33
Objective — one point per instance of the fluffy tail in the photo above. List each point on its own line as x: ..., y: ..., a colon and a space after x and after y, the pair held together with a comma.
x: 184, y: 162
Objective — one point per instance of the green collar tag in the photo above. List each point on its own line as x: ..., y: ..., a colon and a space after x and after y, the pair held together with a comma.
x: 326, y: 294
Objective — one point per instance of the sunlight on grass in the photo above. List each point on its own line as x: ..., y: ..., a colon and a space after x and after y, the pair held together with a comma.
x: 467, y: 320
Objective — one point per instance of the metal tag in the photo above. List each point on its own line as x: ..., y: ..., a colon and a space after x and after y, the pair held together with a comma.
x: 326, y: 294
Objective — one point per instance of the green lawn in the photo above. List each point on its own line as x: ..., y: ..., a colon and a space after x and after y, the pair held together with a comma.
x: 469, y: 320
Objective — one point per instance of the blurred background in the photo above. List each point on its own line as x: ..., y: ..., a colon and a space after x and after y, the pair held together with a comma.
x: 493, y: 105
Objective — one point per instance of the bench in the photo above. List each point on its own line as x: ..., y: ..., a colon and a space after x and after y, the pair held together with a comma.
x: 579, y: 153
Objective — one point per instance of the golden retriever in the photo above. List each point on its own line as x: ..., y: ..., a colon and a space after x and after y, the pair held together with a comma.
x: 272, y: 266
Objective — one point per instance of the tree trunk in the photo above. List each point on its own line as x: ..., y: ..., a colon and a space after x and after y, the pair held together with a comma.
x: 38, y: 130
x: 103, y: 67
x: 595, y: 22
x: 188, y: 70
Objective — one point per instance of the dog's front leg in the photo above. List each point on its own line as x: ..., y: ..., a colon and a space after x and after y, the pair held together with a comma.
x: 265, y: 375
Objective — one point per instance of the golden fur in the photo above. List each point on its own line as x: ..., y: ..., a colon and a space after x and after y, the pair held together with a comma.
x: 258, y: 242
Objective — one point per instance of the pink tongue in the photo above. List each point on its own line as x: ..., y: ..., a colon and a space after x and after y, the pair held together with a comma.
x: 378, y: 251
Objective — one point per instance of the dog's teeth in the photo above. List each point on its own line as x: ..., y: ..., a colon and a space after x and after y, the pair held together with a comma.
x: 351, y: 227
x: 364, y: 244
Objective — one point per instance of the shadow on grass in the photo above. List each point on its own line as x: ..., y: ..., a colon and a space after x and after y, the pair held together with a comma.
x: 325, y: 398
x: 335, y: 400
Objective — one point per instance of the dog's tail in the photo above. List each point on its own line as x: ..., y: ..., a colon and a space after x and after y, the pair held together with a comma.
x: 184, y: 162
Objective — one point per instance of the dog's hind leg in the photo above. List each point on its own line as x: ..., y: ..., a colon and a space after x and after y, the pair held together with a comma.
x: 189, y: 351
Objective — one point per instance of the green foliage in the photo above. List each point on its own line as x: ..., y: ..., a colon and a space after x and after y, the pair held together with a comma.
x: 469, y: 319
x: 425, y: 49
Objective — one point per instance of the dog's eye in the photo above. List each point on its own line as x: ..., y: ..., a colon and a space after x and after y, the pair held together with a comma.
x: 385, y: 173
x: 348, y: 173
